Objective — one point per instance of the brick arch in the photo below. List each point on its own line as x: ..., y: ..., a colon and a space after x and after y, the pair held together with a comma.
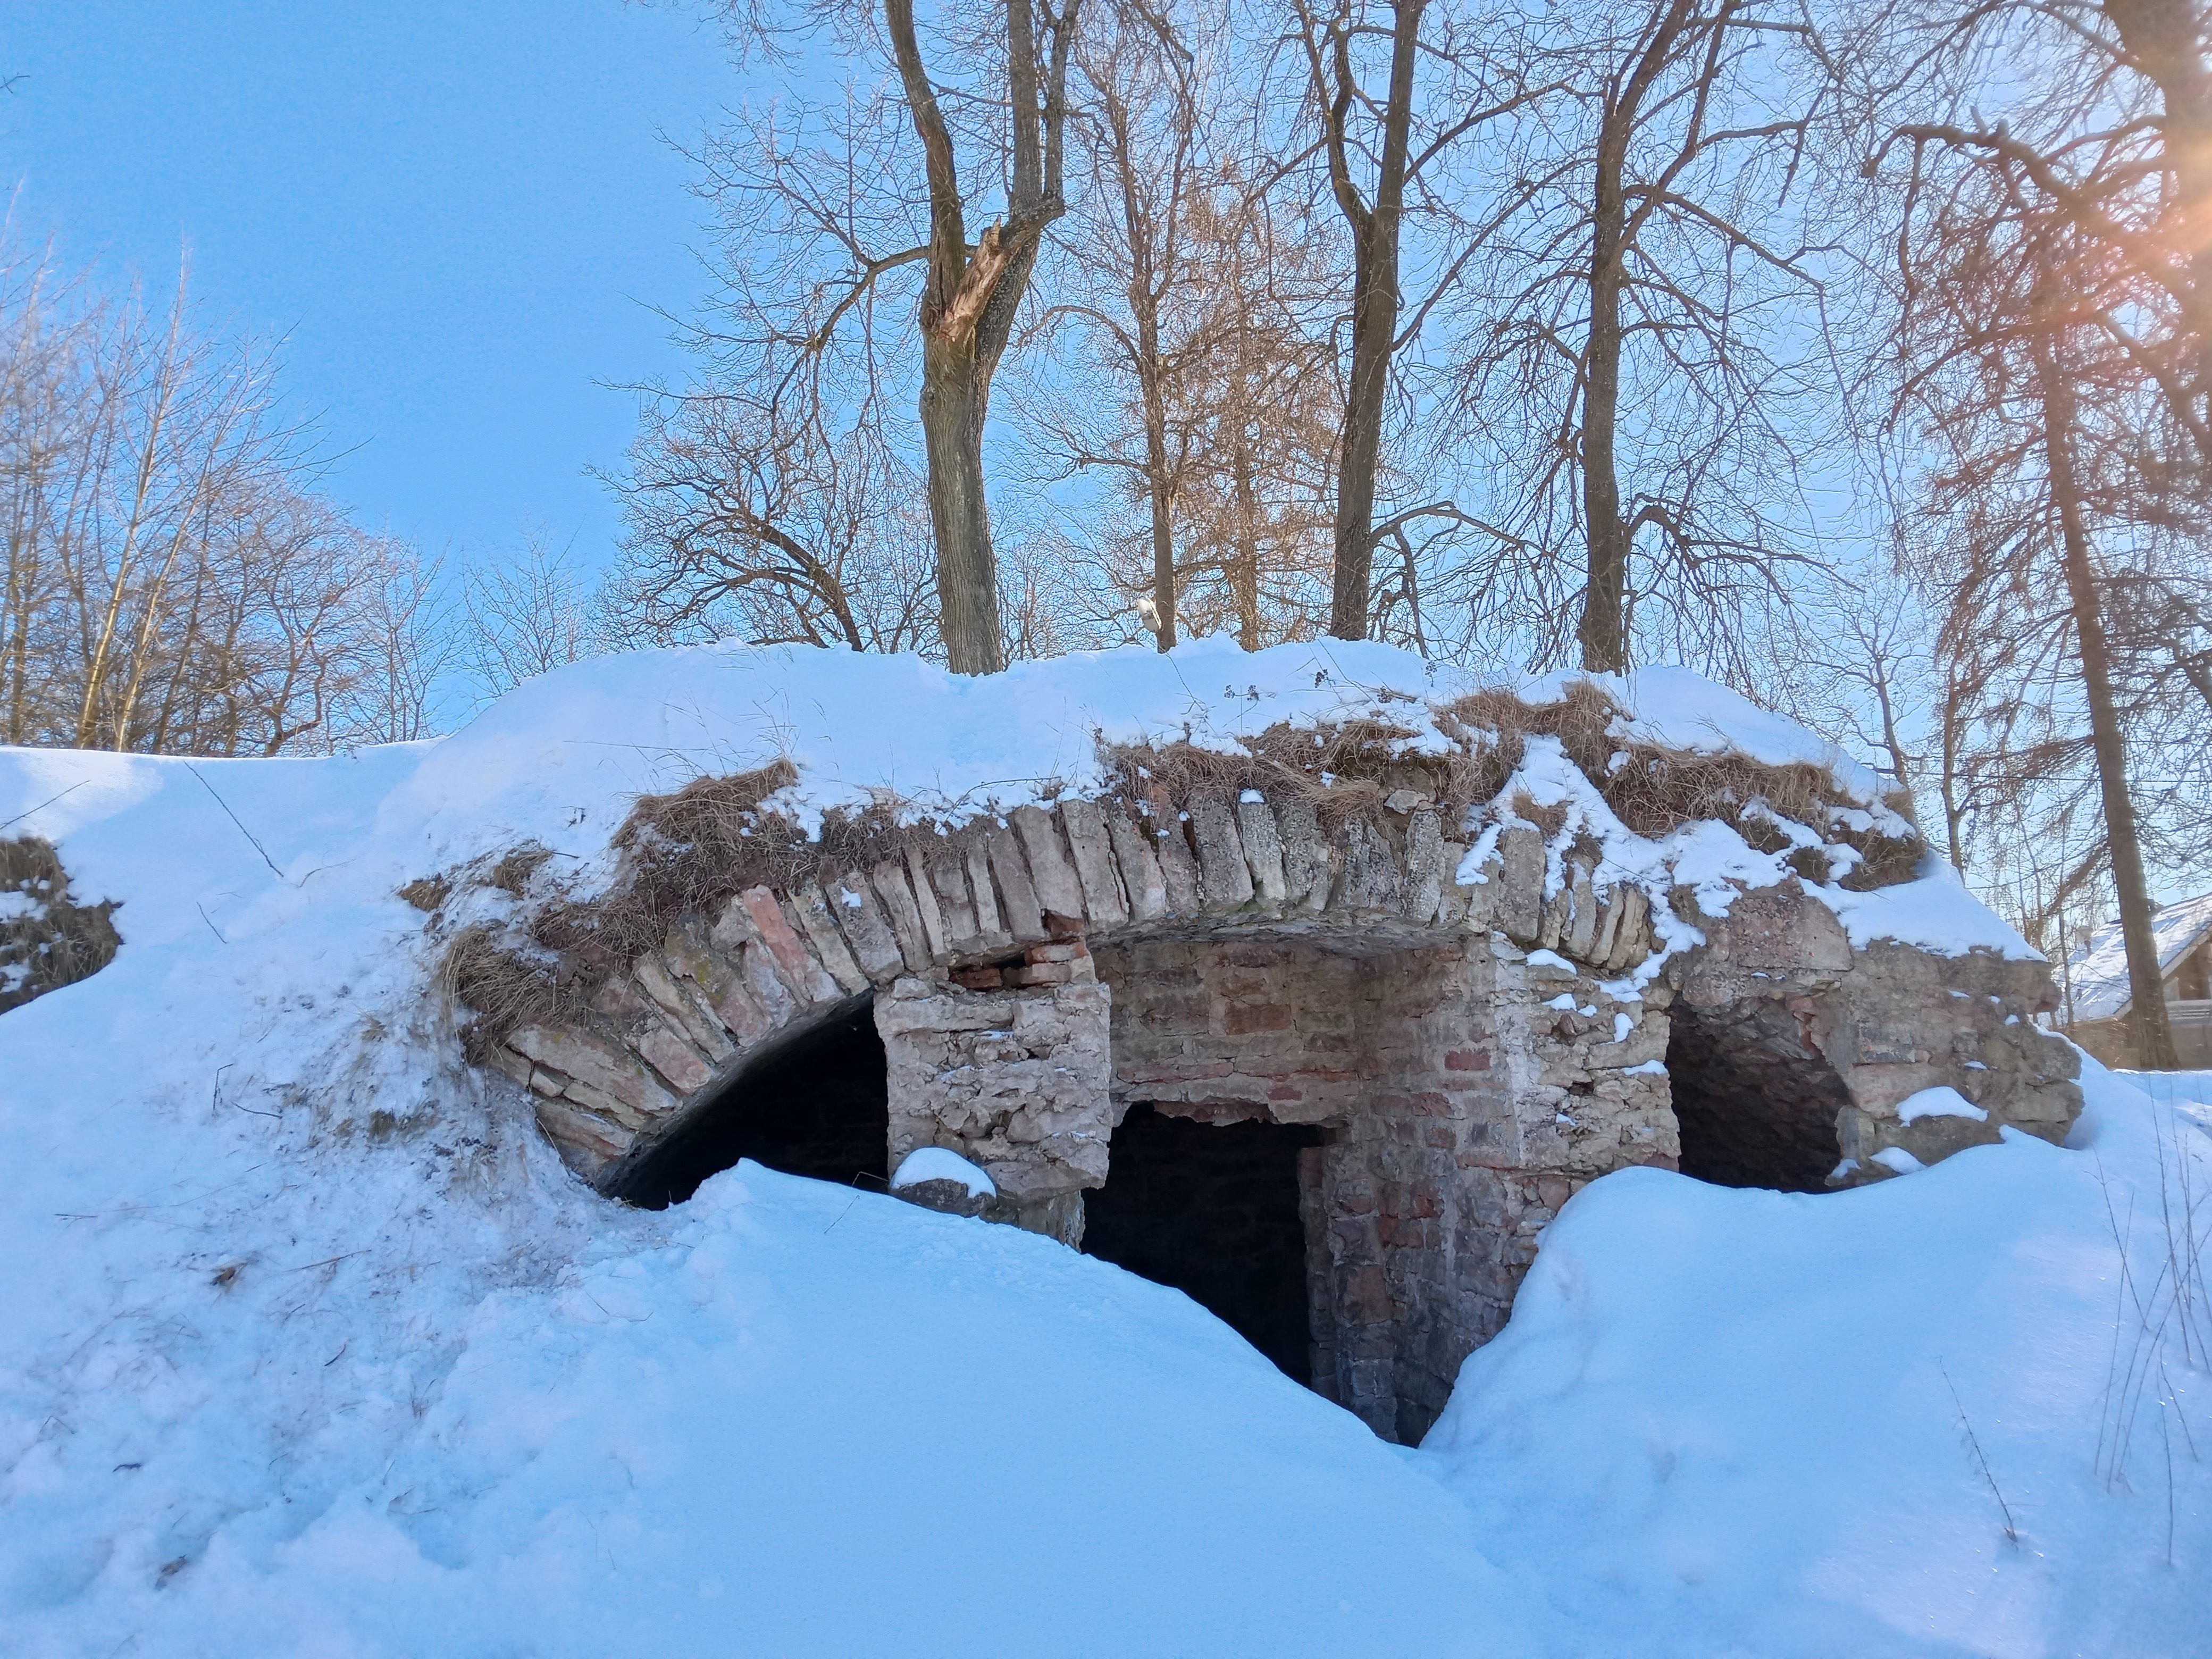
x: 1012, y: 909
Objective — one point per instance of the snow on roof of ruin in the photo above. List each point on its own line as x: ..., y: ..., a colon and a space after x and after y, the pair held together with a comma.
x: 2098, y: 972
x: 862, y: 727
x: 561, y: 760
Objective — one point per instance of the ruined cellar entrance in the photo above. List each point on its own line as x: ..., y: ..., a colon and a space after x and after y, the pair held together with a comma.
x: 817, y: 1105
x: 1213, y: 1210
x: 1756, y: 1102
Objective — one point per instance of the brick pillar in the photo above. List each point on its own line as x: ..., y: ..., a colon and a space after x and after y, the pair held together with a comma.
x: 1012, y: 1081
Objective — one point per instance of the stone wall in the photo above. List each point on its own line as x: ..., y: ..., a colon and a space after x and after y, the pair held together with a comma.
x: 1013, y: 1080
x: 1462, y: 1107
x: 1777, y: 979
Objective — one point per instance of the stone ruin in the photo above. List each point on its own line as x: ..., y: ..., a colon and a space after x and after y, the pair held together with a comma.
x: 1326, y: 1054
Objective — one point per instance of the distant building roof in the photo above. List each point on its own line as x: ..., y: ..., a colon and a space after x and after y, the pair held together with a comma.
x: 2099, y: 970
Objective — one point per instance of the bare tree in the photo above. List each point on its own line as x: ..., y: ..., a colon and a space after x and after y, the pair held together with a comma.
x: 172, y: 581
x: 1653, y: 352
x: 2050, y: 350
x: 737, y: 527
x: 525, y: 614
x: 1184, y: 288
x: 1393, y: 89
x: 873, y: 188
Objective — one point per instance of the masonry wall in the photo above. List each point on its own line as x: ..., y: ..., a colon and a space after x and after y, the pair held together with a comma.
x: 1448, y: 1148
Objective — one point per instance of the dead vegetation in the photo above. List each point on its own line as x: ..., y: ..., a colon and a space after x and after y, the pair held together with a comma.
x: 51, y: 942
x: 1350, y: 769
x: 689, y: 852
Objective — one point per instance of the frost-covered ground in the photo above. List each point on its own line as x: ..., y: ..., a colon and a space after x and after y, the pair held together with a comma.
x: 308, y: 1345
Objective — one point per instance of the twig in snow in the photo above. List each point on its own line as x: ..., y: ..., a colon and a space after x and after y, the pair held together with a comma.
x: 212, y: 928
x: 40, y: 807
x: 327, y: 1261
x: 1981, y: 1458
x: 235, y: 819
x: 215, y: 1093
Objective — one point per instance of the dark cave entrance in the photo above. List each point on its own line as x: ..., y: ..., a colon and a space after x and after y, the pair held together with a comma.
x: 817, y: 1105
x: 1757, y: 1104
x: 1213, y: 1210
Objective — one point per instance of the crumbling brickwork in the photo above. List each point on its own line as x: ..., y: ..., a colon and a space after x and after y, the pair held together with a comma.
x: 1450, y: 1146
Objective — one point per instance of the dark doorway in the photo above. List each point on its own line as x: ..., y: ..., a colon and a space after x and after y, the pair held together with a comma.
x: 1213, y: 1210
x: 818, y: 1105
x: 1757, y: 1104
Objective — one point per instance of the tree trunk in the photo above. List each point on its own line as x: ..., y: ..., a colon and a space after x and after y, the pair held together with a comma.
x: 1603, y: 630
x: 1156, y: 487
x: 953, y: 399
x: 1375, y: 301
x: 1244, y: 580
x: 2153, y: 1034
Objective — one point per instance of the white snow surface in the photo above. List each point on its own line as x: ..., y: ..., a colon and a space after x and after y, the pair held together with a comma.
x: 2099, y: 970
x: 309, y: 1345
x: 942, y: 1164
x: 1942, y: 1101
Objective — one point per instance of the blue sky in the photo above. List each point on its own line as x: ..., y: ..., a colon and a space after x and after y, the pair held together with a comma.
x: 459, y: 215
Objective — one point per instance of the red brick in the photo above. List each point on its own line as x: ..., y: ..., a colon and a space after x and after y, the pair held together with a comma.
x: 1467, y: 1059
x: 1272, y: 1017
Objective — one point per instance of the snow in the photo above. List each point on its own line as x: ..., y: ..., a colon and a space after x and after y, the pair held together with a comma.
x: 312, y: 1346
x: 16, y: 905
x: 1737, y: 1422
x: 2098, y: 972
x: 1675, y: 709
x: 942, y: 1164
x: 1898, y: 1160
x: 1940, y: 1102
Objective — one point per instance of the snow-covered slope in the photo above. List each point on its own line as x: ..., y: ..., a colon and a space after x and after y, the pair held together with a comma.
x: 309, y: 1345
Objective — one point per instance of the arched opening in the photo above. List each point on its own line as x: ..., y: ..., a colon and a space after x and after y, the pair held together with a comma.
x: 1215, y: 1211
x: 1756, y: 1102
x: 817, y: 1104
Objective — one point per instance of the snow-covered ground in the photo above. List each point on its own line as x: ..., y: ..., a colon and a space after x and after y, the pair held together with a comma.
x: 309, y: 1345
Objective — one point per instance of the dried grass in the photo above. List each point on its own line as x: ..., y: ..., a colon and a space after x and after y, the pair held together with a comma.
x: 503, y: 989
x: 689, y: 852
x: 1348, y: 769
x: 59, y: 946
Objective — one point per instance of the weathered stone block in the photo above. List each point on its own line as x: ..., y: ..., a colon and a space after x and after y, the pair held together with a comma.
x: 875, y: 947
x: 1228, y: 878
x: 1178, y: 868
x: 1093, y: 855
x: 1019, y: 913
x: 889, y: 879
x: 1263, y: 850
x: 809, y: 909
x: 593, y: 1060
x: 1369, y: 879
x: 1052, y: 873
x: 1521, y: 883
x: 1140, y: 868
x: 1305, y: 854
